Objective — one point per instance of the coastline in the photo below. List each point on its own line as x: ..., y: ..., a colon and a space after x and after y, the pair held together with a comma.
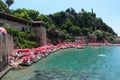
x: 75, y: 60
x: 48, y: 53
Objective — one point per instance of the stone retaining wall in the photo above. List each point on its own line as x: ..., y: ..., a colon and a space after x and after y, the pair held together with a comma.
x: 3, y: 53
x: 15, y: 25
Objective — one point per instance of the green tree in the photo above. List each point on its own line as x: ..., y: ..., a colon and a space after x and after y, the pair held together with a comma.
x: 57, y: 18
x: 75, y: 31
x: 9, y: 2
x: 32, y: 14
x: 46, y: 19
x: 85, y: 31
x: 67, y: 26
x: 23, y: 15
x: 42, y: 17
x: 99, y: 35
x: 3, y: 7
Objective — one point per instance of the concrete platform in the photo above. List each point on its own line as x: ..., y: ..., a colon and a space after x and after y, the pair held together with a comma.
x: 2, y: 73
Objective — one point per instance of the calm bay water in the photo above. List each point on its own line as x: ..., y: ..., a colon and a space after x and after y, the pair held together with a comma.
x: 90, y: 63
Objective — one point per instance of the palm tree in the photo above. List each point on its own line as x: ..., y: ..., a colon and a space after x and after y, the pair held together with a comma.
x: 9, y: 3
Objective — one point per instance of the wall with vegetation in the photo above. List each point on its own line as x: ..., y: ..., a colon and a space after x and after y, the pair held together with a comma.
x: 22, y: 39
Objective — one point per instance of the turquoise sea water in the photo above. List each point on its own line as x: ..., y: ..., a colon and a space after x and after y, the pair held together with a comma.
x: 90, y: 63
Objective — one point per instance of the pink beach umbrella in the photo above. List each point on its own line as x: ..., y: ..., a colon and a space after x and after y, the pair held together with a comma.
x: 43, y: 51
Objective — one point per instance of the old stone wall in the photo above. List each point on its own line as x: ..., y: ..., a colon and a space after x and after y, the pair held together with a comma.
x: 82, y: 39
x: 15, y: 25
x: 37, y: 27
x: 6, y: 47
x: 40, y: 31
x: 9, y: 43
x: 3, y: 52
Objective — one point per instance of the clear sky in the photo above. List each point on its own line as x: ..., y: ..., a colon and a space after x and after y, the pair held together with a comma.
x: 108, y: 10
